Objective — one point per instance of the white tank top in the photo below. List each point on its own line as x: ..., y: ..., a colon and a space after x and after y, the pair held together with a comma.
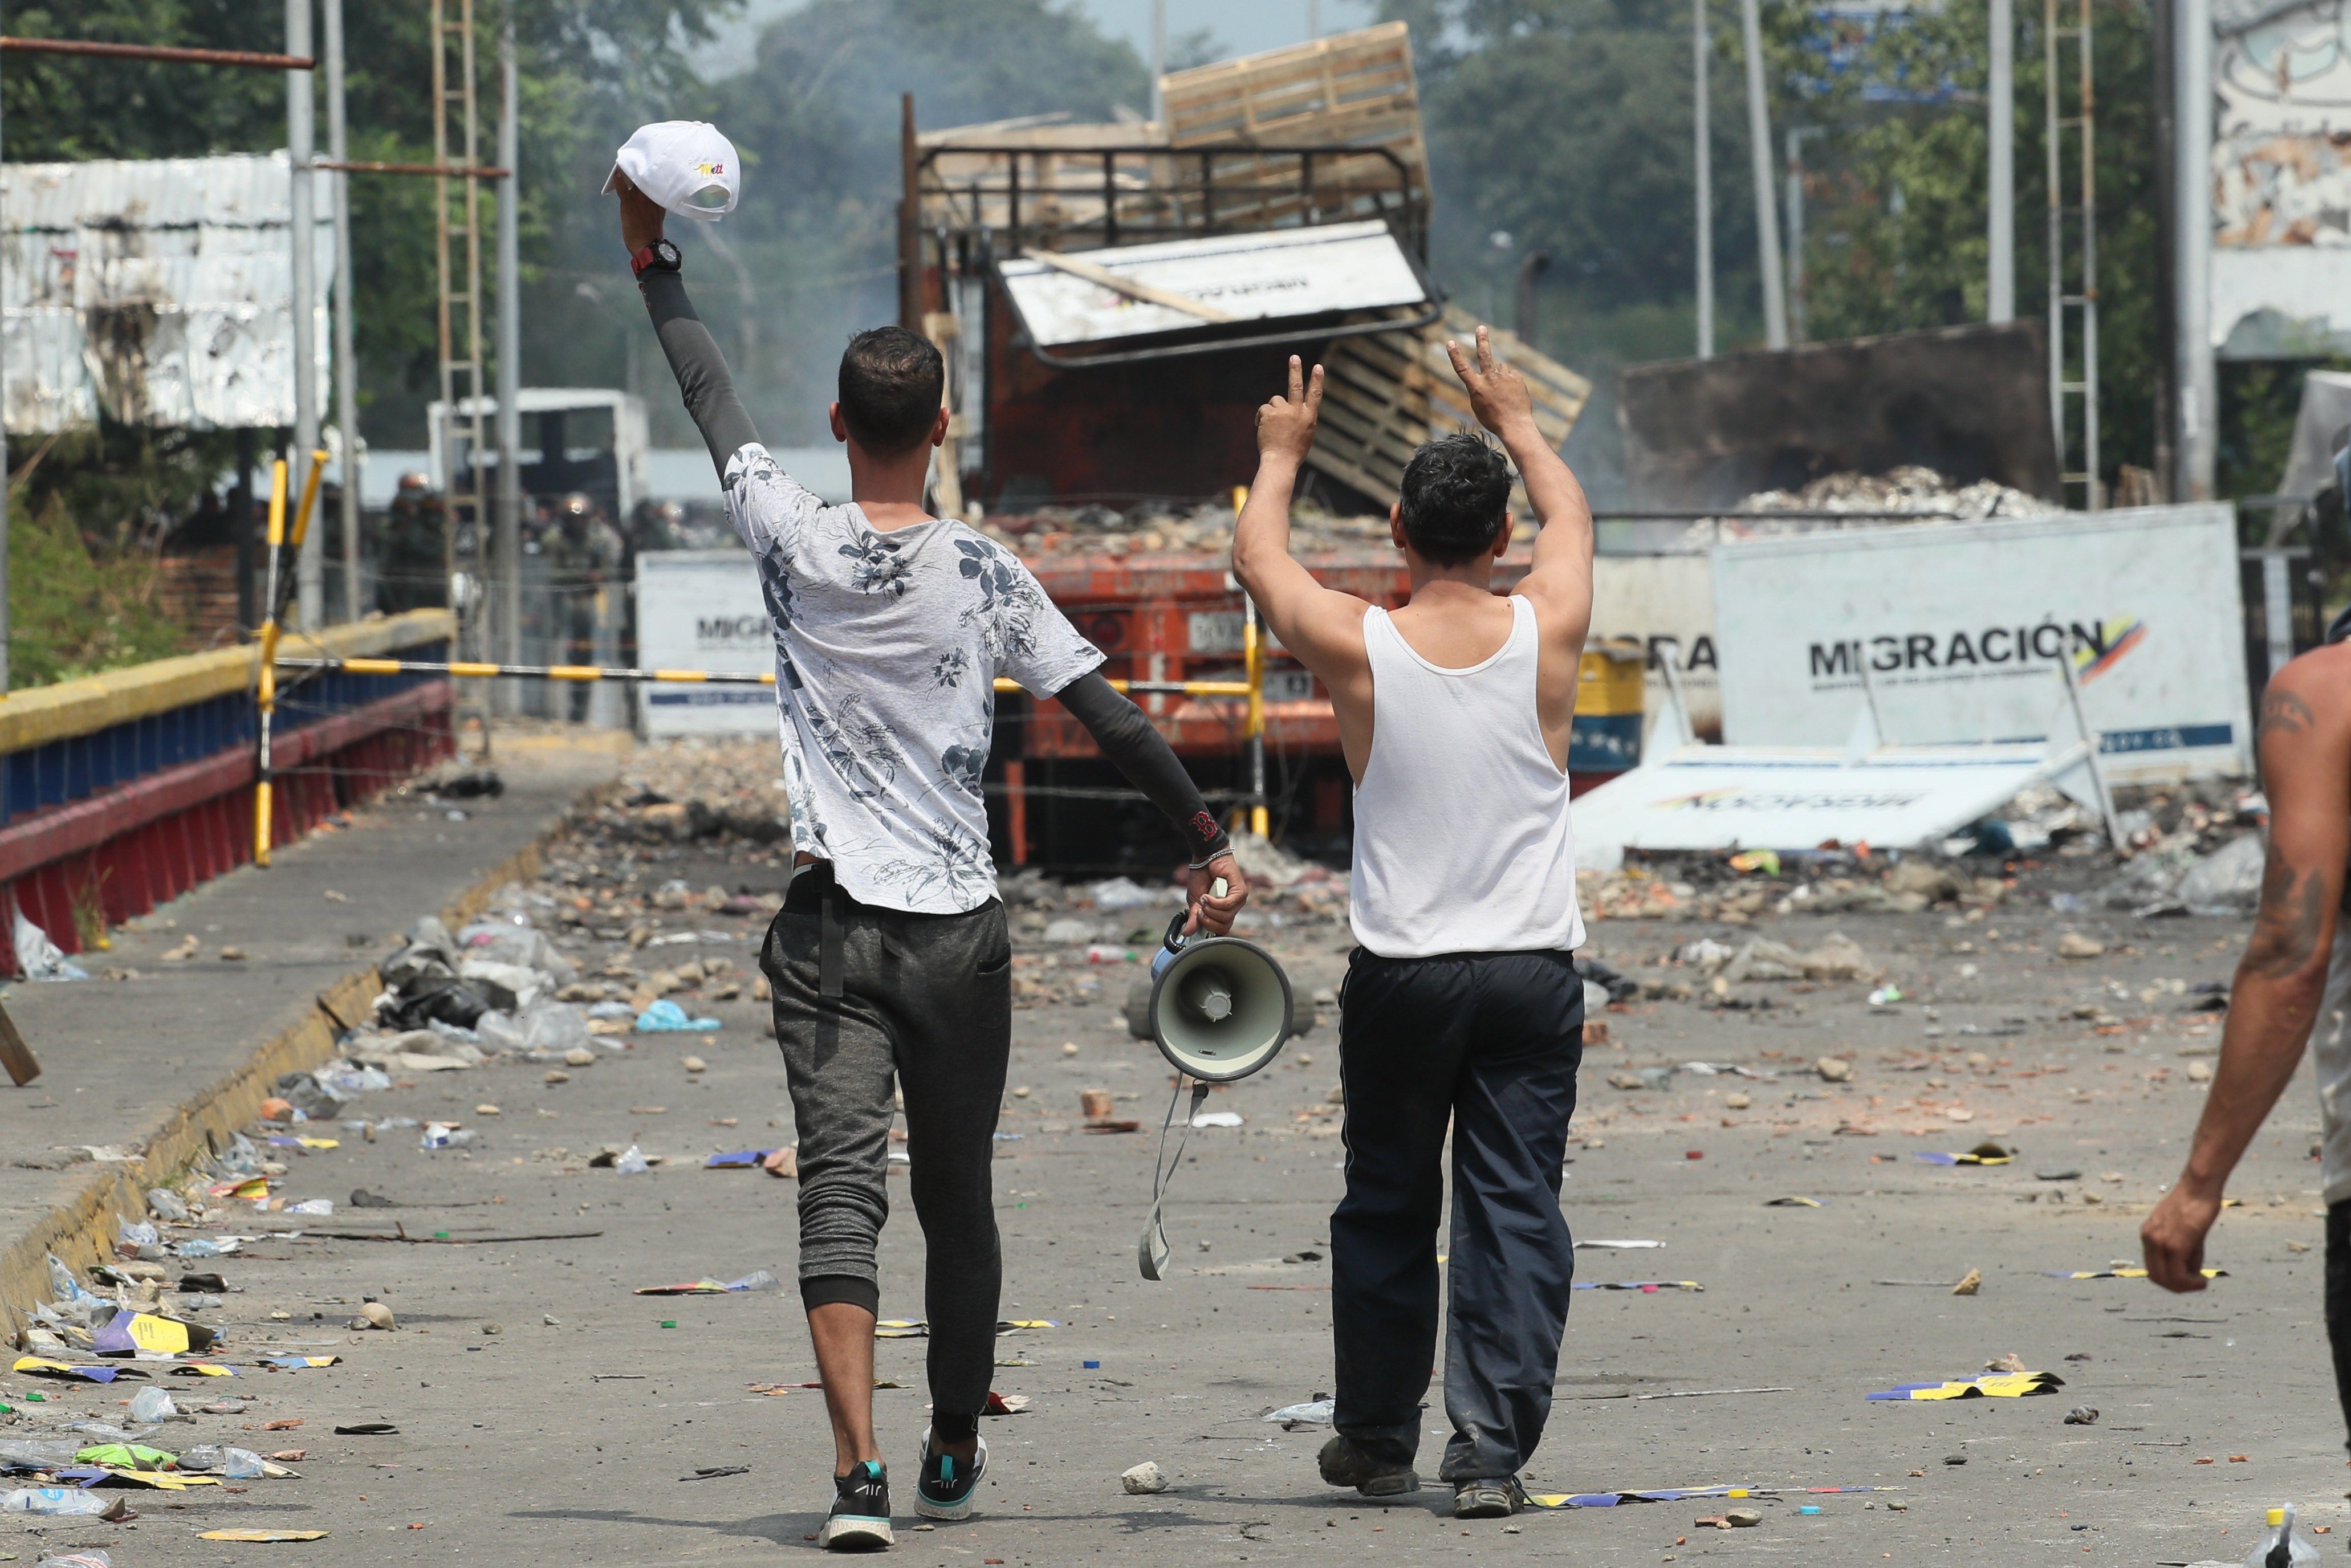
x: 1462, y: 840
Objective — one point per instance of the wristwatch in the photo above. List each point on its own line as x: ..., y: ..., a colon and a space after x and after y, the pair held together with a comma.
x: 659, y: 256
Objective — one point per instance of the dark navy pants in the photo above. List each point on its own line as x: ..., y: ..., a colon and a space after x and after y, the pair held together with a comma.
x: 1488, y: 1042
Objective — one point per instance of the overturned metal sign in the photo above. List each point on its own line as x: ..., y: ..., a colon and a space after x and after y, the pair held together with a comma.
x: 1178, y: 285
x: 160, y: 290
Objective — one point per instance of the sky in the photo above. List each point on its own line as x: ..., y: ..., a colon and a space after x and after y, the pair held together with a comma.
x: 1242, y: 26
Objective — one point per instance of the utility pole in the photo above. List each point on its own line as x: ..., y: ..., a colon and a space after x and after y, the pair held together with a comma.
x: 1767, y: 211
x: 2199, y: 413
x: 310, y: 574
x: 1526, y: 314
x: 347, y: 374
x: 1700, y: 48
x: 1158, y: 58
x: 509, y: 340
x: 2164, y: 33
x: 1999, y: 288
x: 1796, y: 135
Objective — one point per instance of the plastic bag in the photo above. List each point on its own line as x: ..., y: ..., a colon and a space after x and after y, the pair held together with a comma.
x: 667, y: 1017
x: 153, y: 1405
x: 38, y: 957
x: 632, y: 1162
x: 553, y: 1026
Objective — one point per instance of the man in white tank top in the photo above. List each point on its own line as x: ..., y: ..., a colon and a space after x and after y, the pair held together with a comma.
x: 2296, y: 977
x: 1462, y: 1005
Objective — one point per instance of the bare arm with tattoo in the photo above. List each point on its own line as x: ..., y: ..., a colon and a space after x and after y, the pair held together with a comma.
x: 2305, y: 753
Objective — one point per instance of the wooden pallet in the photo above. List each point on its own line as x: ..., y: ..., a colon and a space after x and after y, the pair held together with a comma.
x: 1061, y: 178
x: 1385, y: 395
x: 1355, y: 89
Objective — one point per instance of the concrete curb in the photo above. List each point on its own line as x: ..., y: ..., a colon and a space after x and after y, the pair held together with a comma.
x: 82, y: 1229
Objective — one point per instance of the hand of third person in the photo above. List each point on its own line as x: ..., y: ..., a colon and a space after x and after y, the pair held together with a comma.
x: 1285, y: 426
x: 640, y: 216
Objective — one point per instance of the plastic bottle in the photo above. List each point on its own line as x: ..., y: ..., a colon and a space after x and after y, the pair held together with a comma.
x: 2282, y: 1548
x: 54, y: 1499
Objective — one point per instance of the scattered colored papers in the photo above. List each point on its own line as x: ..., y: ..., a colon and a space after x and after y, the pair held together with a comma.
x: 1992, y: 1386
x: 1794, y: 1202
x: 919, y: 1328
x: 158, y: 1480
x: 263, y: 1535
x: 2123, y: 1273
x: 757, y: 1280
x: 40, y: 1366
x: 127, y: 1333
x: 1981, y: 1154
x: 1005, y: 1404
x: 1685, y: 1494
x: 1615, y: 1246
x: 298, y: 1363
x: 1647, y: 1287
x: 285, y: 1143
x: 744, y: 1160
x: 250, y: 1187
x: 777, y: 1390
x: 202, y: 1369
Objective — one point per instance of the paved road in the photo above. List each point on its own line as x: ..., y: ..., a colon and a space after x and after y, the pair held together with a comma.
x: 546, y: 1415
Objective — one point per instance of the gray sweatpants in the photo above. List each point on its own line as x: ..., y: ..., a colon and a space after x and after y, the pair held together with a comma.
x: 864, y: 996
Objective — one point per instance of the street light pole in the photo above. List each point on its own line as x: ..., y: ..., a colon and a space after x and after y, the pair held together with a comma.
x: 509, y: 341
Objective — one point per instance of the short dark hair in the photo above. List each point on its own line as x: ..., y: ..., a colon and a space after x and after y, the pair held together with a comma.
x: 891, y: 382
x: 1456, y: 497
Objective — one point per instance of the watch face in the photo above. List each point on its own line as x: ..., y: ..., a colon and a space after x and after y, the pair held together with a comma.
x: 666, y: 254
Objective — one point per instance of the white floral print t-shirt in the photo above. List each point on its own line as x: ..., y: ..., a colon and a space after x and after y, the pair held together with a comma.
x: 887, y: 650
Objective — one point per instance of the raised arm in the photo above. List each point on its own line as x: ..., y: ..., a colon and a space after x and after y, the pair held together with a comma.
x: 1320, y: 626
x: 702, y: 374
x: 2305, y: 746
x: 1150, y: 764
x: 1559, y: 582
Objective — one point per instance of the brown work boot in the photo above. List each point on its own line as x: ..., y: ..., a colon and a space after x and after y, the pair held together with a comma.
x: 1343, y: 1464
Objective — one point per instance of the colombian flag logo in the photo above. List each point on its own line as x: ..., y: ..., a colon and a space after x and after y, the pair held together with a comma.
x: 2117, y: 635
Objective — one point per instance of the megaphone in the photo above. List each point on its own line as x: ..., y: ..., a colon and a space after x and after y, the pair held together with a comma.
x: 1220, y: 1006
x: 1219, y: 1010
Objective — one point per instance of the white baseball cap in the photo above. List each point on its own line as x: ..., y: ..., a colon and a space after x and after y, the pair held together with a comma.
x: 683, y: 164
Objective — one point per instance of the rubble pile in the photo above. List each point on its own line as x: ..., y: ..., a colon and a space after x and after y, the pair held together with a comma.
x: 1162, y: 528
x: 697, y: 789
x: 1919, y: 493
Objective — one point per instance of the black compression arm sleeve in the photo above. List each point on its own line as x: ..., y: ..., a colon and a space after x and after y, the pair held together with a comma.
x: 1143, y: 754
x: 701, y: 373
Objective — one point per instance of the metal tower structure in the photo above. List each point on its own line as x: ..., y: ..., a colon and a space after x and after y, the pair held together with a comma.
x: 2073, y: 247
x: 457, y: 223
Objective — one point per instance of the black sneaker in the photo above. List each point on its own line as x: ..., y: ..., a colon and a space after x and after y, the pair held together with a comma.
x: 1491, y: 1497
x: 1343, y: 1464
x: 859, y: 1520
x: 944, y: 1484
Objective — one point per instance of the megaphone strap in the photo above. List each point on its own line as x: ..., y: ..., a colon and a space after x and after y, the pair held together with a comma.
x: 1162, y: 1169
